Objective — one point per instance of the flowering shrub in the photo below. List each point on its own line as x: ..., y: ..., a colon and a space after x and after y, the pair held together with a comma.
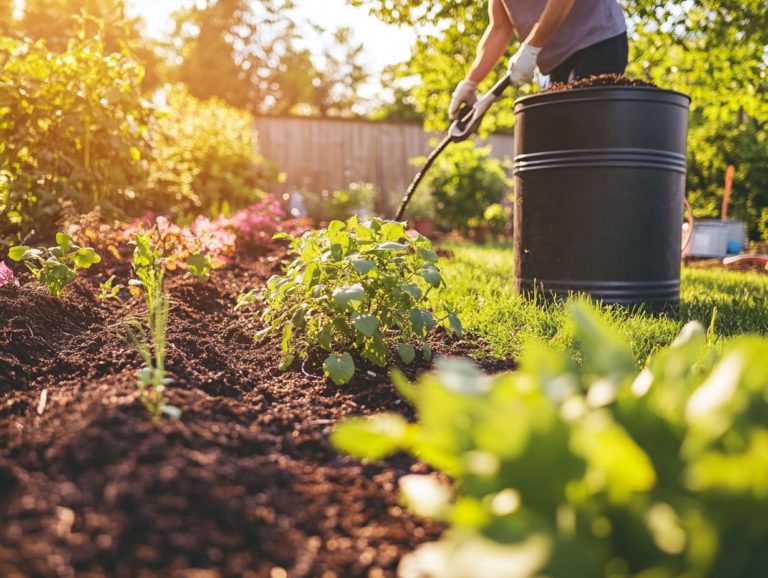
x: 258, y: 222
x: 6, y: 275
x: 563, y: 469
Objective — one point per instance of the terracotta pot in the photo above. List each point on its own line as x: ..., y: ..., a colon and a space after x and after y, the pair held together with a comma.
x: 480, y: 234
x: 425, y: 226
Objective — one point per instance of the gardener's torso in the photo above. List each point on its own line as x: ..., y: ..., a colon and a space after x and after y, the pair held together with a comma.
x: 588, y: 22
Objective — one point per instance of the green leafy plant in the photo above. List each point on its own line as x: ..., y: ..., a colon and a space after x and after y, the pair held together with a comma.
x: 355, y: 287
x: 55, y: 267
x: 356, y: 199
x: 149, y: 270
x: 588, y: 469
x: 108, y: 290
x: 200, y: 266
x: 205, y: 157
x: 73, y: 127
x: 465, y: 180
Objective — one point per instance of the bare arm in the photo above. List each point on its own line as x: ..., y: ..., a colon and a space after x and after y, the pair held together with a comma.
x: 494, y: 41
x: 550, y: 20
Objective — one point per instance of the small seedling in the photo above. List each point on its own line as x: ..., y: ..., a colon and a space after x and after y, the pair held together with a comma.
x: 107, y: 289
x: 55, y: 267
x: 200, y: 265
x: 148, y: 266
x: 246, y: 299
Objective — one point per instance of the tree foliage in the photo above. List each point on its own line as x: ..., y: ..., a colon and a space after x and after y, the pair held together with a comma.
x: 251, y: 55
x: 57, y: 22
x: 73, y: 130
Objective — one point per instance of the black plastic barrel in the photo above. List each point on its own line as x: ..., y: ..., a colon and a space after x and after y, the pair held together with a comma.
x: 599, y: 185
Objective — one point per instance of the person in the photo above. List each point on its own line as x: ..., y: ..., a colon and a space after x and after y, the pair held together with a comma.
x: 566, y: 39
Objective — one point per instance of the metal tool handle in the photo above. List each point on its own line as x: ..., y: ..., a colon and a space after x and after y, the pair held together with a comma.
x: 467, y: 122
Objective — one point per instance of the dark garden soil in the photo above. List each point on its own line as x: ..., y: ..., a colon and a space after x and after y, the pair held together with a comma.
x: 245, y: 484
x: 617, y: 80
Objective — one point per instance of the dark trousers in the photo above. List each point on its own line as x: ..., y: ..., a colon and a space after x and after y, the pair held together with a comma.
x: 606, y: 57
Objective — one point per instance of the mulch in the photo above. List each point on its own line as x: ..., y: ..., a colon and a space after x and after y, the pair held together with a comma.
x: 617, y: 80
x: 245, y: 484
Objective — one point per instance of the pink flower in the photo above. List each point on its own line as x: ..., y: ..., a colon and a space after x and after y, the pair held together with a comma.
x: 7, y: 276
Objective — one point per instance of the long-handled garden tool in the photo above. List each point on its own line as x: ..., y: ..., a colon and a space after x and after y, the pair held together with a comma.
x: 467, y: 122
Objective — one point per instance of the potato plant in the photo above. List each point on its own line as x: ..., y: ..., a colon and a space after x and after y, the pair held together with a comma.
x: 355, y: 287
x: 592, y: 469
x: 55, y: 267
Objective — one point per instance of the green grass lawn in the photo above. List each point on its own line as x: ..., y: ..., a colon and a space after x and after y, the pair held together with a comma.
x: 480, y: 290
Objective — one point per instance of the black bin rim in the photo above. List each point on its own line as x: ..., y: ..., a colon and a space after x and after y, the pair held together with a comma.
x: 598, y: 93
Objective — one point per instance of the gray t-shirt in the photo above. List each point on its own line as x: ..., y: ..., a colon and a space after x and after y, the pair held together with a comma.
x: 588, y: 22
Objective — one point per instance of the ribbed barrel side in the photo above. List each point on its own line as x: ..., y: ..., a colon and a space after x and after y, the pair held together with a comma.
x: 599, y: 185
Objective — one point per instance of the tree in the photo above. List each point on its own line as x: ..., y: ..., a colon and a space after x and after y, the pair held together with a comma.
x: 58, y: 22
x: 250, y: 54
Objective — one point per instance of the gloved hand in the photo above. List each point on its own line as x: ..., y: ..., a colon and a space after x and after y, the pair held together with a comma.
x: 523, y: 64
x: 466, y: 92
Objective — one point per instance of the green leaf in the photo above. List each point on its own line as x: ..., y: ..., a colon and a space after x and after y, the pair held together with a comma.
x: 375, y: 350
x: 64, y: 241
x: 427, y: 351
x: 390, y: 246
x: 407, y: 352
x: 22, y: 253
x: 200, y: 265
x: 85, y: 257
x: 427, y: 254
x: 417, y: 321
x: 366, y: 324
x: 324, y: 337
x: 455, y: 324
x: 371, y: 438
x: 363, y: 266
x: 286, y: 362
x: 260, y: 335
x: 340, y: 368
x: 343, y: 296
x: 299, y: 317
x: 432, y: 276
x: 414, y: 290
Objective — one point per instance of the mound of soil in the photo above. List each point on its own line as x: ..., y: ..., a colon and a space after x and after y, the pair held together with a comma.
x: 598, y: 80
x: 245, y: 484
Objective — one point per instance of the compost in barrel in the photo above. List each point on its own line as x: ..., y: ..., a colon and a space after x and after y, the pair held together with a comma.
x: 599, y: 187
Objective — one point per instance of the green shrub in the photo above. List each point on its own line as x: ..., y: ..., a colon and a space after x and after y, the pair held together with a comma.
x: 563, y: 469
x: 72, y: 130
x: 206, y: 157
x: 463, y: 182
x: 340, y: 205
x: 355, y: 287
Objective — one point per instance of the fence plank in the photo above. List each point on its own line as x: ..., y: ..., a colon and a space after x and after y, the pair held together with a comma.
x: 328, y: 154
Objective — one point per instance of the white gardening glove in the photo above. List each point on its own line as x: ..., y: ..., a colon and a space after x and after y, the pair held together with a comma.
x: 523, y: 64
x: 465, y: 93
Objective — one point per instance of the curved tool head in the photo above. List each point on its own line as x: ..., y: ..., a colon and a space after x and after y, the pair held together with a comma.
x: 470, y: 117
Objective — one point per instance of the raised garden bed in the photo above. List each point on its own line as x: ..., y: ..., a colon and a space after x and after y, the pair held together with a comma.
x: 245, y: 484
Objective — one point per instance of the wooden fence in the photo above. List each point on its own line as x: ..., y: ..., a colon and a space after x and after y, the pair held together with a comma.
x: 328, y: 154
